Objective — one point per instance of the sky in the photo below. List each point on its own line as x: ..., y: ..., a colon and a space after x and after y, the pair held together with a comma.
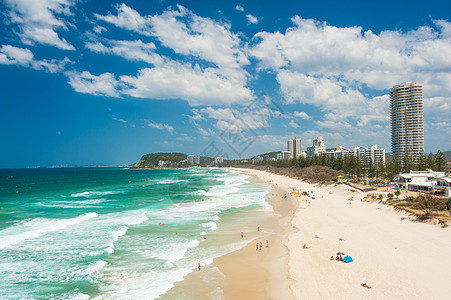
x: 104, y: 82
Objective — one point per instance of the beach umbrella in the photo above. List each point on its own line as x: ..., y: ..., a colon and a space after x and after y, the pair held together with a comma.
x: 340, y: 253
x: 347, y: 259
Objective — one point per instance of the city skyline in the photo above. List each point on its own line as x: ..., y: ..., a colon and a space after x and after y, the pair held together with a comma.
x: 87, y: 83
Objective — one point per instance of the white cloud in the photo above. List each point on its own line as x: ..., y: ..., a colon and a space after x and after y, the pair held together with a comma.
x: 293, y: 124
x: 127, y: 18
x: 86, y: 83
x: 239, y: 8
x: 302, y: 115
x: 131, y: 50
x: 217, y: 76
x: 333, y: 67
x: 10, y: 55
x: 251, y: 19
x: 189, y: 34
x: 197, y: 86
x: 39, y: 20
x: 441, y: 124
x: 119, y: 120
x: 160, y: 126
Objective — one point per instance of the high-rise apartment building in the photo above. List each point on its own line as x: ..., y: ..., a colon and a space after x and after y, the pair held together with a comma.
x: 294, y: 147
x: 290, y: 149
x: 406, y: 115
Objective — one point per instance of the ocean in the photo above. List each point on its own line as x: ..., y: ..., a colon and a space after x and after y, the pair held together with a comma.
x: 116, y: 233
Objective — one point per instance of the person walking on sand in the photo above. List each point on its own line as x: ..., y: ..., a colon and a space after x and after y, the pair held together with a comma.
x: 198, y: 266
x: 258, y: 228
x: 261, y: 246
x: 257, y: 247
x: 242, y: 235
x: 267, y: 243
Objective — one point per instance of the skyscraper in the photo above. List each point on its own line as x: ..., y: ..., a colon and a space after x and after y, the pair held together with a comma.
x: 290, y: 149
x: 406, y: 115
x: 294, y: 147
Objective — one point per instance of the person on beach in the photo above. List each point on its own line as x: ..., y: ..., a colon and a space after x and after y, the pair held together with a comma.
x: 198, y: 266
x: 305, y: 246
x: 332, y: 257
x: 205, y: 236
x: 257, y: 247
x: 258, y: 228
x: 261, y: 245
x: 365, y: 285
x: 242, y: 235
x: 267, y: 243
x: 337, y: 258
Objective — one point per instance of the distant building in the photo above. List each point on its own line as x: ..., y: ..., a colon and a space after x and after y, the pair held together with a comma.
x: 196, y: 160
x: 371, y: 154
x: 318, y: 147
x: 406, y: 115
x: 279, y: 156
x: 219, y: 160
x: 190, y: 159
x: 296, y: 147
x: 290, y: 149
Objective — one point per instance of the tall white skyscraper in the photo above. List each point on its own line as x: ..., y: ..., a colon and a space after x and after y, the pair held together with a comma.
x: 406, y: 115
x: 290, y: 148
x: 296, y: 147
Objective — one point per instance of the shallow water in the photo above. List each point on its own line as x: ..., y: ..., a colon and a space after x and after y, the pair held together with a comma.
x: 98, y: 233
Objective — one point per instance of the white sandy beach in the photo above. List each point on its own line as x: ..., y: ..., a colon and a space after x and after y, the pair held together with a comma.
x: 399, y: 259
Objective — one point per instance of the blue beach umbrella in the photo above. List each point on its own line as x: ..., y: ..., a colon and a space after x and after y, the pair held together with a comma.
x: 340, y: 253
x: 347, y: 259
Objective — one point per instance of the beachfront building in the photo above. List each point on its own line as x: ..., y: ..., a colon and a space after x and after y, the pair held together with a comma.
x: 442, y: 185
x: 406, y: 115
x: 294, y: 148
x: 318, y: 147
x: 417, y: 180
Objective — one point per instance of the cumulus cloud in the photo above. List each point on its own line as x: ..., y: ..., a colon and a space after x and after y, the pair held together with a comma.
x: 302, y: 115
x: 239, y: 8
x: 130, y: 50
x: 102, y: 85
x: 10, y: 55
x: 189, y: 34
x: 339, y: 70
x: 197, y: 86
x: 127, y: 18
x: 216, y: 77
x: 160, y: 126
x: 39, y: 20
x: 251, y: 19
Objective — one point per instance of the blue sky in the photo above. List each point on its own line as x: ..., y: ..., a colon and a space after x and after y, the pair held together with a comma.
x: 104, y: 82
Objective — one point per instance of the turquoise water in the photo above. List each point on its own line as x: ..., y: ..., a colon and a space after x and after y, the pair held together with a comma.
x: 112, y: 233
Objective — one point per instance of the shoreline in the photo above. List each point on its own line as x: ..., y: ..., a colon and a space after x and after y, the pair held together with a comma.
x: 394, y: 255
x: 262, y: 274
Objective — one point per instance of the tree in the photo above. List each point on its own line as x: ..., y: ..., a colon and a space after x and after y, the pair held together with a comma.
x: 440, y: 161
x: 397, y: 193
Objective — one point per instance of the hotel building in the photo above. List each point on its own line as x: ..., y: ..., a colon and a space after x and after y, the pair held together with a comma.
x: 406, y: 114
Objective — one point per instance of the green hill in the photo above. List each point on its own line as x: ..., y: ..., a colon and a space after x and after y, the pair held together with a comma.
x: 173, y: 160
x: 151, y: 160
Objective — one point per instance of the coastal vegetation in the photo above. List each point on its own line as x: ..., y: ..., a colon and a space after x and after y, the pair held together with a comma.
x: 425, y: 207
